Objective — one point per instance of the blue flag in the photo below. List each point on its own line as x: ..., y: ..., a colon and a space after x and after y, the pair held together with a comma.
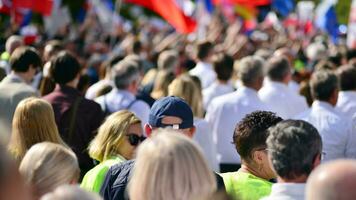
x: 283, y: 7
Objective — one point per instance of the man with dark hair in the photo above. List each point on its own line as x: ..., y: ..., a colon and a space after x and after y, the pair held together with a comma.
x: 223, y: 65
x: 24, y: 63
x: 225, y: 111
x: 126, y: 78
x: 276, y: 94
x: 336, y: 130
x: 294, y: 149
x: 167, y: 112
x: 77, y: 118
x: 251, y: 181
x: 346, y: 102
x: 204, y: 70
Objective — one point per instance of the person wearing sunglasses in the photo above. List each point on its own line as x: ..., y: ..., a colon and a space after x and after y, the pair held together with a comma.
x: 168, y: 112
x: 116, y: 142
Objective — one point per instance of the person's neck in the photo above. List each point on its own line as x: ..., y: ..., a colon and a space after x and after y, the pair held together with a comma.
x: 249, y: 169
x: 300, y: 179
x: 72, y: 84
x: 223, y: 82
x: 23, y: 76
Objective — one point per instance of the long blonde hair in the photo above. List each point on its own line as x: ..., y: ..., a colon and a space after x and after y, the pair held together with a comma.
x: 184, y: 87
x: 170, y: 166
x: 111, y: 134
x: 47, y: 165
x: 33, y: 122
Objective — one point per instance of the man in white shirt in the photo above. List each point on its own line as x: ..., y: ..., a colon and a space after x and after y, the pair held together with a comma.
x: 346, y: 102
x: 226, y: 111
x: 335, y: 129
x: 204, y: 69
x: 126, y: 76
x: 276, y: 94
x: 223, y: 65
x: 294, y: 148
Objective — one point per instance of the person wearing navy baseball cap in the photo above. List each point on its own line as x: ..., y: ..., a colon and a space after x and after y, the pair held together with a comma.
x: 171, y: 112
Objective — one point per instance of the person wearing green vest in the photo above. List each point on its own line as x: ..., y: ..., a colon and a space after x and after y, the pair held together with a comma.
x: 116, y: 141
x: 251, y: 181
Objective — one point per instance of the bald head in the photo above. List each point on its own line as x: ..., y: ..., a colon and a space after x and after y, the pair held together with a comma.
x: 333, y: 180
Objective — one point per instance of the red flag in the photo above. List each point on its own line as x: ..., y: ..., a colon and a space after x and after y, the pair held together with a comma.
x: 245, y: 2
x: 42, y: 6
x: 171, y: 12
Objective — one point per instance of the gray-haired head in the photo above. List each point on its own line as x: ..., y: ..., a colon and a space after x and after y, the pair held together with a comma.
x: 125, y: 73
x: 250, y: 69
x: 293, y: 147
x: 13, y: 42
x: 323, y: 84
x: 278, y: 68
x: 70, y: 192
x: 316, y: 51
x: 167, y: 60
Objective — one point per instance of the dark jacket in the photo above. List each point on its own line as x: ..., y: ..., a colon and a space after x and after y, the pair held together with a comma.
x: 114, y: 186
x: 88, y: 118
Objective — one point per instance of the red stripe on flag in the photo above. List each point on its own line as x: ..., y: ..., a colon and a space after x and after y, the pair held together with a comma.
x: 244, y: 2
x: 170, y: 11
x: 42, y: 6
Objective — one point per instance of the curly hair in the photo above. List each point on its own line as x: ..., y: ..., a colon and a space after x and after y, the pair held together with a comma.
x: 251, y: 132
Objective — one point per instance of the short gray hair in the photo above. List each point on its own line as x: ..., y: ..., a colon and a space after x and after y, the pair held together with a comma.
x: 323, y: 83
x: 12, y: 42
x: 278, y: 68
x: 293, y: 146
x: 72, y: 192
x: 250, y: 69
x: 124, y: 73
x: 167, y: 60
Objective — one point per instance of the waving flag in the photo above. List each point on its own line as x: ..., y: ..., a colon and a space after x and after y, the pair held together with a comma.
x: 283, y: 7
x: 351, y: 35
x: 171, y: 12
x: 42, y: 6
x: 245, y: 2
x: 326, y: 19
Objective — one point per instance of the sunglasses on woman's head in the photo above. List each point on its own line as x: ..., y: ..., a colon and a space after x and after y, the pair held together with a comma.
x: 135, y: 139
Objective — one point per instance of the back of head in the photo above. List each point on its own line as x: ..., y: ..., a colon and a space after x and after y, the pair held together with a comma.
x: 167, y: 60
x: 223, y: 65
x: 278, y: 68
x: 184, y: 87
x: 136, y: 59
x: 65, y: 68
x: 33, y: 122
x: 323, y: 84
x: 178, y: 171
x: 316, y: 51
x: 250, y: 69
x: 111, y: 134
x: 347, y: 77
x: 204, y: 49
x: 333, y: 180
x: 124, y: 73
x: 70, y: 192
x: 23, y: 58
x: 161, y: 83
x: 293, y: 147
x: 47, y: 166
x: 251, y: 132
x: 13, y: 42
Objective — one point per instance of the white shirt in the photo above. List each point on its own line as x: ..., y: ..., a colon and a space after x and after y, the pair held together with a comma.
x: 123, y: 100
x: 294, y: 86
x: 346, y: 103
x: 205, y: 72
x: 287, y: 191
x: 92, y: 90
x: 335, y: 130
x: 224, y: 113
x: 214, y: 90
x: 204, y: 137
x: 282, y: 100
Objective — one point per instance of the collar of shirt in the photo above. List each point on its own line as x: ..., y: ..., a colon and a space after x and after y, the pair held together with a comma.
x: 205, y: 66
x: 288, y: 189
x: 323, y: 105
x: 347, y: 95
x: 277, y: 85
x: 67, y: 90
x: 15, y: 78
x: 124, y: 93
x: 248, y: 91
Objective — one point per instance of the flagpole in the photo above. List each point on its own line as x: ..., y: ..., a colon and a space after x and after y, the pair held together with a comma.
x: 118, y: 4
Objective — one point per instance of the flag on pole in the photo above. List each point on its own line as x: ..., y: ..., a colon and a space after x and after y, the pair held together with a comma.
x: 283, y: 7
x: 351, y: 34
x: 326, y: 19
x: 42, y: 6
x: 171, y: 12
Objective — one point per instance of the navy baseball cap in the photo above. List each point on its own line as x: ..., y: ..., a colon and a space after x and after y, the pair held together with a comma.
x: 171, y: 106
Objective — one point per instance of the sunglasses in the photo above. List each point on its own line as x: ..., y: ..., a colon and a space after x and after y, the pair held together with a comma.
x: 134, y: 139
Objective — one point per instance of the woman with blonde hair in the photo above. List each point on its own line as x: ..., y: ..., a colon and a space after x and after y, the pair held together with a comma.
x: 185, y: 87
x: 170, y: 166
x: 47, y: 165
x: 116, y: 142
x: 33, y: 123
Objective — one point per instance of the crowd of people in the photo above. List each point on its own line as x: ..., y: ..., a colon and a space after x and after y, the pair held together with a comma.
x: 163, y: 116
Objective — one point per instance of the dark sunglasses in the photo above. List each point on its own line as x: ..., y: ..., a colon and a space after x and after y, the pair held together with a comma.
x: 135, y: 139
